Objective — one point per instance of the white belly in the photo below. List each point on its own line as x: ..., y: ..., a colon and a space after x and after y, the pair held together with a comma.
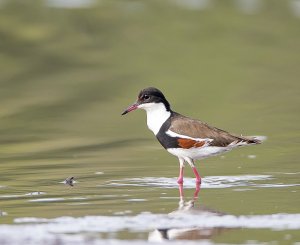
x: 198, y: 153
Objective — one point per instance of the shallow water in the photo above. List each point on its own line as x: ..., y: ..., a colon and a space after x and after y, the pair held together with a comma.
x: 60, y: 117
x: 120, y: 210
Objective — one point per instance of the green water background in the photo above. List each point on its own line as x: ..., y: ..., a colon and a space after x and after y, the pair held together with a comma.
x: 67, y: 74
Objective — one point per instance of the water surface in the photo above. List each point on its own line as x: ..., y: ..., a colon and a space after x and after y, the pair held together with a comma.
x: 67, y: 74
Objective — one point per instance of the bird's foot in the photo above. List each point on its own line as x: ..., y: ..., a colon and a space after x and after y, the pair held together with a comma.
x: 198, y: 181
x: 198, y: 177
x: 180, y: 177
x: 180, y: 180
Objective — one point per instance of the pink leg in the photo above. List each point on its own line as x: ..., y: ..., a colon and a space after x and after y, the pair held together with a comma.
x: 180, y: 178
x: 198, y: 178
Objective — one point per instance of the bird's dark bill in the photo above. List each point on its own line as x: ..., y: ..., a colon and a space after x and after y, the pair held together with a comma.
x: 130, y: 108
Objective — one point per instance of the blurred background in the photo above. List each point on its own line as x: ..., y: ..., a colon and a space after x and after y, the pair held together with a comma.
x: 68, y: 68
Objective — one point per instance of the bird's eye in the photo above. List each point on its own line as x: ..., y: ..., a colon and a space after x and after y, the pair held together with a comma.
x: 146, y: 97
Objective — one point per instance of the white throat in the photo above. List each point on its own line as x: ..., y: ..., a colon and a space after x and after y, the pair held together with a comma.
x: 157, y: 114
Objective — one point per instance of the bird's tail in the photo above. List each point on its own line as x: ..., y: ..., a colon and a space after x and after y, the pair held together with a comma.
x: 248, y: 140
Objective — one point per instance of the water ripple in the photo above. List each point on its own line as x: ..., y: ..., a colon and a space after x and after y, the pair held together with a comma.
x: 207, y: 182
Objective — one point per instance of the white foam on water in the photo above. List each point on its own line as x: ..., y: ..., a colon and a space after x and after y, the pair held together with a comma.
x: 99, y: 173
x: 77, y: 198
x: 123, y: 212
x: 149, y: 221
x: 276, y: 185
x: 35, y: 193
x: 55, y: 199
x: 71, y: 230
x: 136, y: 200
x: 293, y: 173
x: 14, y: 237
x: 207, y: 182
x: 11, y: 196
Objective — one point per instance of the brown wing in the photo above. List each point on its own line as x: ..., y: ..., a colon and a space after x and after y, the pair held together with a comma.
x: 197, y: 129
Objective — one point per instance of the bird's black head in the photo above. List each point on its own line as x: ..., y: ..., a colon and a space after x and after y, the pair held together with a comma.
x: 152, y: 95
x: 147, y: 96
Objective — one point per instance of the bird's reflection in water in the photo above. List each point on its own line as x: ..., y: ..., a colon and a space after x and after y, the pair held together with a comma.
x: 190, y: 205
x: 188, y: 233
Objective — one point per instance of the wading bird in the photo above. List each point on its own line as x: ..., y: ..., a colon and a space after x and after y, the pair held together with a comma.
x: 186, y: 138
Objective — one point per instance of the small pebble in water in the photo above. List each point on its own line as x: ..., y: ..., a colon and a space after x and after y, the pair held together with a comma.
x: 69, y: 181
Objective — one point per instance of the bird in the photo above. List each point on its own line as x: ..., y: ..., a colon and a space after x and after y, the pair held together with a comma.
x: 186, y: 138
